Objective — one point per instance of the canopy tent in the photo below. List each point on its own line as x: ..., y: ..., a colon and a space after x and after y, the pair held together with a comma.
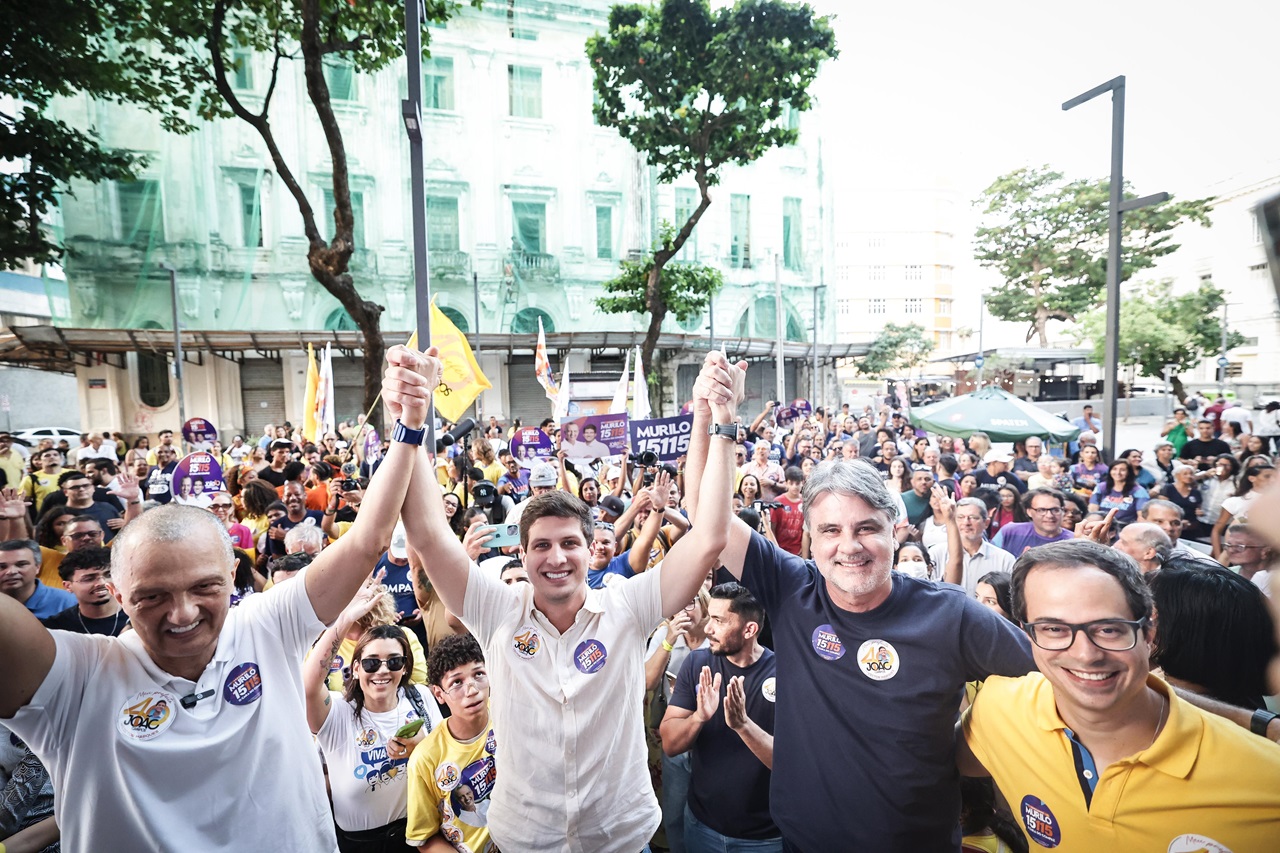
x: 995, y: 412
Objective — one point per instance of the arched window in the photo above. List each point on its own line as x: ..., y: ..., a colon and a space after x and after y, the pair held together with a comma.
x: 153, y: 379
x: 340, y: 321
x: 760, y: 320
x: 526, y: 322
x: 455, y: 316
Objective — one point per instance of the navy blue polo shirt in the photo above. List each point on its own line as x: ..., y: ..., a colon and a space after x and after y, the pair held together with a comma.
x: 729, y: 789
x: 864, y: 740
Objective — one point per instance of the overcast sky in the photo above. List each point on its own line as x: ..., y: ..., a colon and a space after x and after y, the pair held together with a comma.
x: 968, y: 91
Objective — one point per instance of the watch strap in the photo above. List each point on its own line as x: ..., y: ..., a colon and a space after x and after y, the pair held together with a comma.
x: 729, y: 431
x: 1261, y: 719
x: 406, y: 435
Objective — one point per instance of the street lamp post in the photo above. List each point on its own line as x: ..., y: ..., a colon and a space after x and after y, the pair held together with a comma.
x: 816, y: 383
x: 1115, y: 210
x: 411, y: 110
x: 177, y: 346
x: 981, y: 360
x: 782, y: 328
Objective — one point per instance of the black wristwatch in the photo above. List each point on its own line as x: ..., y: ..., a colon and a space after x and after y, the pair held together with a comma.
x: 729, y: 431
x: 405, y: 435
x: 1261, y: 719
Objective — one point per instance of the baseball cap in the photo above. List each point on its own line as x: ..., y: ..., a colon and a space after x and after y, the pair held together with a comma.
x: 997, y: 456
x: 281, y: 444
x: 544, y: 474
x: 399, y: 542
x: 612, y: 504
x: 1163, y: 443
x: 613, y: 473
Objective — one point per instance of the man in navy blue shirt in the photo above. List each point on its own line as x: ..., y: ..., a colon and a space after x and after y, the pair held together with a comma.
x: 731, y: 751
x: 295, y: 502
x: 875, y: 665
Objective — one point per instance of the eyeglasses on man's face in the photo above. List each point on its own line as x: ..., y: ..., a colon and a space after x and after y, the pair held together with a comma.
x: 1112, y: 635
x: 1046, y: 510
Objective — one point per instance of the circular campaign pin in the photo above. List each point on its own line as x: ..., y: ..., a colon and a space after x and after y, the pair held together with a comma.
x: 196, y: 478
x: 146, y: 715
x: 526, y: 642
x: 878, y: 660
x: 827, y: 643
x: 199, y: 433
x: 1040, y: 823
x: 530, y: 445
x: 243, y: 685
x: 590, y: 656
x: 490, y: 743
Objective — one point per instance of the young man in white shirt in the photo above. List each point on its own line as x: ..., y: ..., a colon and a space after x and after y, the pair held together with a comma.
x: 570, y: 659
x: 200, y: 706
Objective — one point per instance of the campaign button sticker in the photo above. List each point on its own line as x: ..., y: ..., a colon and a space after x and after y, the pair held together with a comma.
x: 590, y: 656
x: 827, y: 643
x: 148, y: 714
x: 490, y: 743
x: 1040, y: 823
x: 1191, y: 843
x: 769, y: 689
x: 447, y: 776
x: 526, y: 642
x: 878, y: 660
x: 244, y: 684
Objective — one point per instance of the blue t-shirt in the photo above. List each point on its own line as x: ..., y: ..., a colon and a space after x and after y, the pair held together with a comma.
x: 1127, y: 506
x: 47, y: 601
x: 399, y: 584
x: 1021, y: 535
x: 275, y: 547
x: 729, y: 789
x: 617, y: 566
x: 864, y: 741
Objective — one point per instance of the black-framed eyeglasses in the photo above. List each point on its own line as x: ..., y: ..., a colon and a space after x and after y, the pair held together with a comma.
x: 1047, y: 510
x: 394, y: 663
x: 1111, y: 635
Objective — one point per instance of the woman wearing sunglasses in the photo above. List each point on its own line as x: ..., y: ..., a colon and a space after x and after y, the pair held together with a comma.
x: 368, y: 732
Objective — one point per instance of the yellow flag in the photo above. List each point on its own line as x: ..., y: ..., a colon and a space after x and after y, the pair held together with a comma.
x: 309, y: 402
x: 463, y: 379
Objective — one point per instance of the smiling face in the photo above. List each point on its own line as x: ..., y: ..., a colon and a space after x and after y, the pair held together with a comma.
x: 176, y: 594
x: 1088, y: 682
x: 604, y: 546
x: 853, y: 547
x: 986, y: 595
x: 90, y: 586
x: 380, y: 687
x: 556, y: 559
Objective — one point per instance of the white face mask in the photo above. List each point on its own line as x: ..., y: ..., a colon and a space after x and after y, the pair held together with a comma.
x: 913, y: 568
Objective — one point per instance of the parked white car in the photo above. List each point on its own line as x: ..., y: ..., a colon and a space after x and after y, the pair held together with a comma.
x: 35, y: 435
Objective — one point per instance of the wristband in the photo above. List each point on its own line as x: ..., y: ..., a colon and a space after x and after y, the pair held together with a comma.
x: 1258, y: 725
x: 666, y: 647
x: 729, y: 431
x: 406, y: 435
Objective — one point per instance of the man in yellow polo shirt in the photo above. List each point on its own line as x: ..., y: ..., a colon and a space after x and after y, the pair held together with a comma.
x: 1093, y: 752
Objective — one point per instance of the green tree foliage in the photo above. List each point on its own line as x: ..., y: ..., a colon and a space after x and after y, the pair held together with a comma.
x: 895, y: 351
x: 62, y: 48
x: 1161, y: 328
x: 694, y: 89
x: 1047, y: 237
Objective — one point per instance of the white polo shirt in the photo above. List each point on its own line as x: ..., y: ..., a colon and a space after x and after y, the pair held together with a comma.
x: 989, y: 558
x: 134, y: 770
x: 569, y: 708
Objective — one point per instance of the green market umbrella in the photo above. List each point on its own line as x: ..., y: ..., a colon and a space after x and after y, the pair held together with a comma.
x: 994, y: 411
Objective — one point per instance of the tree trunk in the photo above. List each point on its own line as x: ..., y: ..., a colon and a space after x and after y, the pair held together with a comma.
x: 1042, y: 324
x: 657, y: 313
x: 1179, y: 390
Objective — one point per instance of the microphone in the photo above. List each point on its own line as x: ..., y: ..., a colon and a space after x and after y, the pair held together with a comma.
x: 450, y: 438
x: 189, y: 701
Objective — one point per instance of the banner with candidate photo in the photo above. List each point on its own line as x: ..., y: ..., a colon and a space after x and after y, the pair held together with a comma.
x: 199, y: 433
x: 593, y: 437
x: 196, y: 478
x: 667, y: 437
x: 530, y: 445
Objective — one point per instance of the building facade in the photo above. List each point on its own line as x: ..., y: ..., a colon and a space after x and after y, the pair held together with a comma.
x: 530, y: 206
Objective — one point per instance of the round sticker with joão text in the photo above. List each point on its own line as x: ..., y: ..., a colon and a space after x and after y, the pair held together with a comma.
x: 878, y: 660
x: 148, y: 714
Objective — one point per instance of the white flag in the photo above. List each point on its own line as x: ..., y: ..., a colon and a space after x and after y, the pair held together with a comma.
x: 324, y: 394
x: 619, y: 404
x: 542, y: 366
x: 640, y: 396
x: 562, y: 399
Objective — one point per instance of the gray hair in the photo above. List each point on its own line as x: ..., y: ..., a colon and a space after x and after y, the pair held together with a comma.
x: 304, y: 534
x: 853, y: 477
x: 1153, y: 537
x: 1160, y: 503
x: 978, y: 503
x: 19, y: 544
x: 169, y: 523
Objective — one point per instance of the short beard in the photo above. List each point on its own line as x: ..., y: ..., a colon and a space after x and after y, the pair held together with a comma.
x: 726, y: 649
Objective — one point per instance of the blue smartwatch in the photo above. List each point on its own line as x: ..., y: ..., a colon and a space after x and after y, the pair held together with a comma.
x: 405, y: 435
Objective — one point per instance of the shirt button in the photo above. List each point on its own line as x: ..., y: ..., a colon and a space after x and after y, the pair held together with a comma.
x: 1088, y: 774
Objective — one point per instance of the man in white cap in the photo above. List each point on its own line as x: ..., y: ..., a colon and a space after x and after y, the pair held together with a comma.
x: 543, y: 478
x: 998, y: 474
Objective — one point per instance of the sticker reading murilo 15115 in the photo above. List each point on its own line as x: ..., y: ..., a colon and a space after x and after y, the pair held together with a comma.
x: 827, y: 643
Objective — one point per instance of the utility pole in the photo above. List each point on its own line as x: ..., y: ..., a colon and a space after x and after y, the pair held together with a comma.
x: 1223, y: 361
x: 475, y: 293
x: 782, y: 328
x: 1115, y: 210
x: 177, y: 349
x: 816, y: 383
x: 981, y: 360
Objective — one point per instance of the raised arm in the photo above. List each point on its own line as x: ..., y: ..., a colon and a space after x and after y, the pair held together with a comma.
x: 692, y: 557
x: 334, y: 577
x: 28, y: 651
x: 714, y: 382
x: 315, y: 669
x: 953, y: 571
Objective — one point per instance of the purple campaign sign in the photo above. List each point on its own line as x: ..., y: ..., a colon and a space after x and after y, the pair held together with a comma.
x: 530, y: 445
x: 667, y: 437
x: 593, y: 437
x: 199, y: 433
x: 196, y: 478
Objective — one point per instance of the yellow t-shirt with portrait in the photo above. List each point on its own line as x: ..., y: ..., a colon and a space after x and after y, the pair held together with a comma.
x: 449, y: 786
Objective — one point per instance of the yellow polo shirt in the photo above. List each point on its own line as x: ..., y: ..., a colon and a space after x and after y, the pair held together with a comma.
x: 1204, y: 785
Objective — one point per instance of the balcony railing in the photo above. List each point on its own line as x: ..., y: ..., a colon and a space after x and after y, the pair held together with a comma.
x: 449, y: 263
x: 535, y: 265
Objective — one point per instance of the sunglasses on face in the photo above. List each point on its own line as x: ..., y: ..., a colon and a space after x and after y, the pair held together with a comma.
x: 394, y: 663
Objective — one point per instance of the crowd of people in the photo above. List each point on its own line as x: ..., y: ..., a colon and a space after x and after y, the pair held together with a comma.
x: 835, y: 633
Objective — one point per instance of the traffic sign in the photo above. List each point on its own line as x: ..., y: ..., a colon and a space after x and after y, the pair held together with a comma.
x: 979, y: 361
x: 1223, y: 361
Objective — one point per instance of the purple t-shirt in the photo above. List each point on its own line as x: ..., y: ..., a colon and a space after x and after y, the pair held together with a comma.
x: 1021, y: 535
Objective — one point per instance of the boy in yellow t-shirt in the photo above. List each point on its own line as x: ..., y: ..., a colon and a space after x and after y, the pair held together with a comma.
x: 452, y: 772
